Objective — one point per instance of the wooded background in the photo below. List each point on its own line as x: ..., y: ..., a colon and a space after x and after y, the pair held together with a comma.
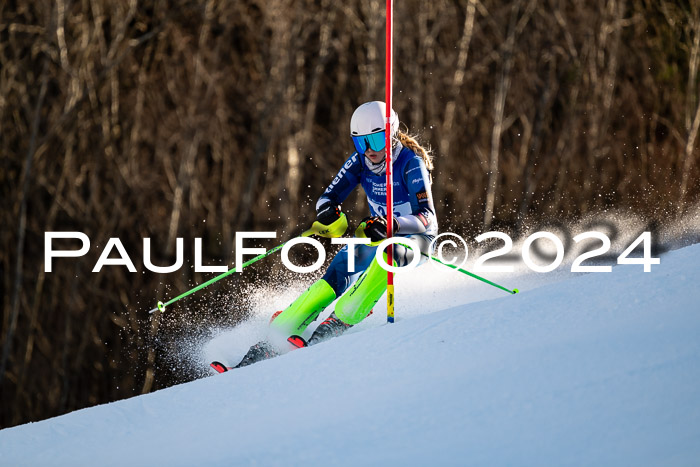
x: 168, y: 119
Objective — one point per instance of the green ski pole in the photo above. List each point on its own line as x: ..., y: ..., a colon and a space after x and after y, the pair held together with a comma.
x: 361, y: 234
x: 161, y: 306
x: 336, y: 229
x: 464, y: 271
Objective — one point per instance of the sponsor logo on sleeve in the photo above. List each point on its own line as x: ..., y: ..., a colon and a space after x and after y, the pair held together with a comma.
x: 341, y: 173
x: 422, y: 195
x: 350, y: 161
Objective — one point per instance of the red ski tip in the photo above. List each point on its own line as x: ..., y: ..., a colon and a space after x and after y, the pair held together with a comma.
x: 219, y: 367
x: 297, y: 341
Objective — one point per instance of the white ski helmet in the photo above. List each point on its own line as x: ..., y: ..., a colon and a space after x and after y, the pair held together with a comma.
x: 370, y: 118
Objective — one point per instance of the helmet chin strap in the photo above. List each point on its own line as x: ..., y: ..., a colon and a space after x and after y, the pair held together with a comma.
x: 378, y: 168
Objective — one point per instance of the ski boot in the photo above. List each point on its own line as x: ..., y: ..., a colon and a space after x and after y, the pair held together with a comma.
x: 331, y: 327
x: 260, y: 351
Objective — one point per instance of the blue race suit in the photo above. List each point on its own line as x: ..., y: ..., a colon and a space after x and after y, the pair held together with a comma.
x: 413, y: 208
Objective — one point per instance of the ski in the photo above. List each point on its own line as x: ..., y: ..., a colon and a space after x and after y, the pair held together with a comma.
x: 297, y: 341
x: 255, y: 355
x: 220, y: 367
x: 331, y: 327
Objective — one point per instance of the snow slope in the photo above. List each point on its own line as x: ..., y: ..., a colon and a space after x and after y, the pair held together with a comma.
x: 596, y: 369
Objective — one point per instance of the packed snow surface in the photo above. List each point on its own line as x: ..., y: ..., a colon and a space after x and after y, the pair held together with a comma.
x: 592, y: 369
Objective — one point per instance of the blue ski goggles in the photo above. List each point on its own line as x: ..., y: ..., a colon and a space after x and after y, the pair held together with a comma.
x: 374, y: 141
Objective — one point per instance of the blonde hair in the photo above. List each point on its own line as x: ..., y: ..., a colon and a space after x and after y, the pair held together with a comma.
x: 411, y: 143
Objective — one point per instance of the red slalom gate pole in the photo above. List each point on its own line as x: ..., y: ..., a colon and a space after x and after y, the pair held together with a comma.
x: 389, y: 169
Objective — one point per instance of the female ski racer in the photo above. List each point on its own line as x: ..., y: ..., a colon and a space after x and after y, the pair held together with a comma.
x: 414, y: 218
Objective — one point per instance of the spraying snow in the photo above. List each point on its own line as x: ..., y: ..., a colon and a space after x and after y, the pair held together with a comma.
x: 589, y: 369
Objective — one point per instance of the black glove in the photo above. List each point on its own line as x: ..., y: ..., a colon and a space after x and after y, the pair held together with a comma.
x: 327, y: 213
x: 375, y: 227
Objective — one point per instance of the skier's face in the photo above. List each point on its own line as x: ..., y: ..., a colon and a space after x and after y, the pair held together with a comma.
x: 374, y: 156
